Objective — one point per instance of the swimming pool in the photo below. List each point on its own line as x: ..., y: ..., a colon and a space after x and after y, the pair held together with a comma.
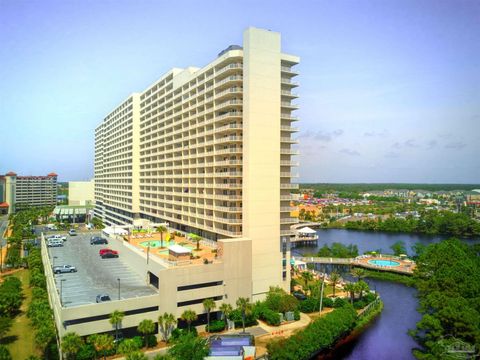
x: 157, y: 243
x: 384, y: 262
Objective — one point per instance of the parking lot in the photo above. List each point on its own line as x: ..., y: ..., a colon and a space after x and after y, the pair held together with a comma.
x: 94, y: 275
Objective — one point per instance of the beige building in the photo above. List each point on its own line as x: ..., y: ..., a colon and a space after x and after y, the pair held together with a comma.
x: 209, y: 151
x: 81, y: 193
x: 22, y: 191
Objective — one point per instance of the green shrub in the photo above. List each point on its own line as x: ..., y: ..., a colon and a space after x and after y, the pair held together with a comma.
x: 339, y: 302
x: 151, y: 340
x: 4, y: 353
x: 236, y: 317
x: 216, y: 326
x: 270, y: 317
x: 318, y: 335
x: 312, y: 304
x: 177, y: 333
x: 296, y: 315
x: 86, y: 352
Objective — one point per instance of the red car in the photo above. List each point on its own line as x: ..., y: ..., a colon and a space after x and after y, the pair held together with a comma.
x: 107, y: 251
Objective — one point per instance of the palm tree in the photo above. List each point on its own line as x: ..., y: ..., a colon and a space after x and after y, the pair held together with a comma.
x: 116, y: 319
x: 334, y: 279
x: 245, y: 307
x: 146, y: 327
x: 361, y: 287
x: 189, y: 316
x: 102, y: 343
x: 226, y: 309
x: 358, y: 273
x: 161, y: 229
x: 351, y: 288
x: 166, y: 322
x: 307, y: 276
x: 71, y: 344
x: 209, y: 305
x: 196, y: 238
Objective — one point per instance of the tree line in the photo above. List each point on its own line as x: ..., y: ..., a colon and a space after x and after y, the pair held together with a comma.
x: 448, y: 281
x: 429, y: 223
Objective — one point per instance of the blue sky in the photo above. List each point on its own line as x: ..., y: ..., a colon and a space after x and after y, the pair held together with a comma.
x: 390, y: 90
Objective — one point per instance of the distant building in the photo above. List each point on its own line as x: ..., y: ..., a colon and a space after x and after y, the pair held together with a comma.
x: 22, y: 191
x: 80, y: 193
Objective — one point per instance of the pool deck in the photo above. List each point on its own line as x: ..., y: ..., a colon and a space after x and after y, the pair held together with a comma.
x: 205, y: 251
x: 406, y: 265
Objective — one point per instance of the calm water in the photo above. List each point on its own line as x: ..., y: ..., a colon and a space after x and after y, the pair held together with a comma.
x: 387, y: 337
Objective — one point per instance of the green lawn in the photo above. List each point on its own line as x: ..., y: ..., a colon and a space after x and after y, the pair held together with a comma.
x: 21, y: 334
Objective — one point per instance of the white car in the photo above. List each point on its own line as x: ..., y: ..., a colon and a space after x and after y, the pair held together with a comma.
x: 58, y: 237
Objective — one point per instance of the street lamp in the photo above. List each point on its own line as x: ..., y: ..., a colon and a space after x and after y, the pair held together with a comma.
x: 118, y: 279
x: 321, y: 296
x: 61, y: 291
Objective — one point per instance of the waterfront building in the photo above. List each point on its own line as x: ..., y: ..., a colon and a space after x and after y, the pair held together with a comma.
x: 208, y: 151
x: 23, y: 191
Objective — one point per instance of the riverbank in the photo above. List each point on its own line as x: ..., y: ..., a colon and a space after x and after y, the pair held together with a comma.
x: 388, y: 276
x: 366, y: 321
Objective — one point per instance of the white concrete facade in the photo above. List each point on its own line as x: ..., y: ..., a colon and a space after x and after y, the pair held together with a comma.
x: 81, y: 193
x: 208, y: 150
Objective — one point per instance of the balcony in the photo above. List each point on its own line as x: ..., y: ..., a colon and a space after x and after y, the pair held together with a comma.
x: 288, y: 117
x: 289, y: 94
x: 289, y: 70
x: 235, y: 66
x: 288, y: 140
x: 288, y: 220
x: 289, y: 152
x: 229, y: 103
x: 229, y: 114
x: 288, y: 175
x: 289, y: 105
x: 288, y: 186
x: 288, y: 82
x: 232, y: 78
x: 288, y: 128
x: 229, y: 139
x: 289, y: 163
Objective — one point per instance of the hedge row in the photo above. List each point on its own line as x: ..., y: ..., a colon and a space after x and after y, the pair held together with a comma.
x: 39, y: 311
x: 319, y: 335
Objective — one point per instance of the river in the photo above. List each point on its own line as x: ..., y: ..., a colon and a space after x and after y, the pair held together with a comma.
x: 386, y: 337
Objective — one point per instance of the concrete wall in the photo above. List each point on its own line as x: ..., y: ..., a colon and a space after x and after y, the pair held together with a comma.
x: 232, y: 269
x: 80, y: 192
x: 261, y: 154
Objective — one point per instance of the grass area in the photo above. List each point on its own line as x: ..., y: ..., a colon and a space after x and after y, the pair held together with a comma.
x: 21, y: 333
x: 388, y: 276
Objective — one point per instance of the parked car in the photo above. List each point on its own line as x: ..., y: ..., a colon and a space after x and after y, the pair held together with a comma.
x: 97, y: 240
x: 102, y: 298
x: 300, y: 296
x: 51, y: 227
x: 55, y: 243
x: 72, y: 232
x: 64, y: 269
x: 109, y: 255
x: 58, y: 237
x: 105, y: 251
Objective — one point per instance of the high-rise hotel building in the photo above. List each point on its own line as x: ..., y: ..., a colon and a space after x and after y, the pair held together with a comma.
x: 17, y: 192
x: 209, y: 150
